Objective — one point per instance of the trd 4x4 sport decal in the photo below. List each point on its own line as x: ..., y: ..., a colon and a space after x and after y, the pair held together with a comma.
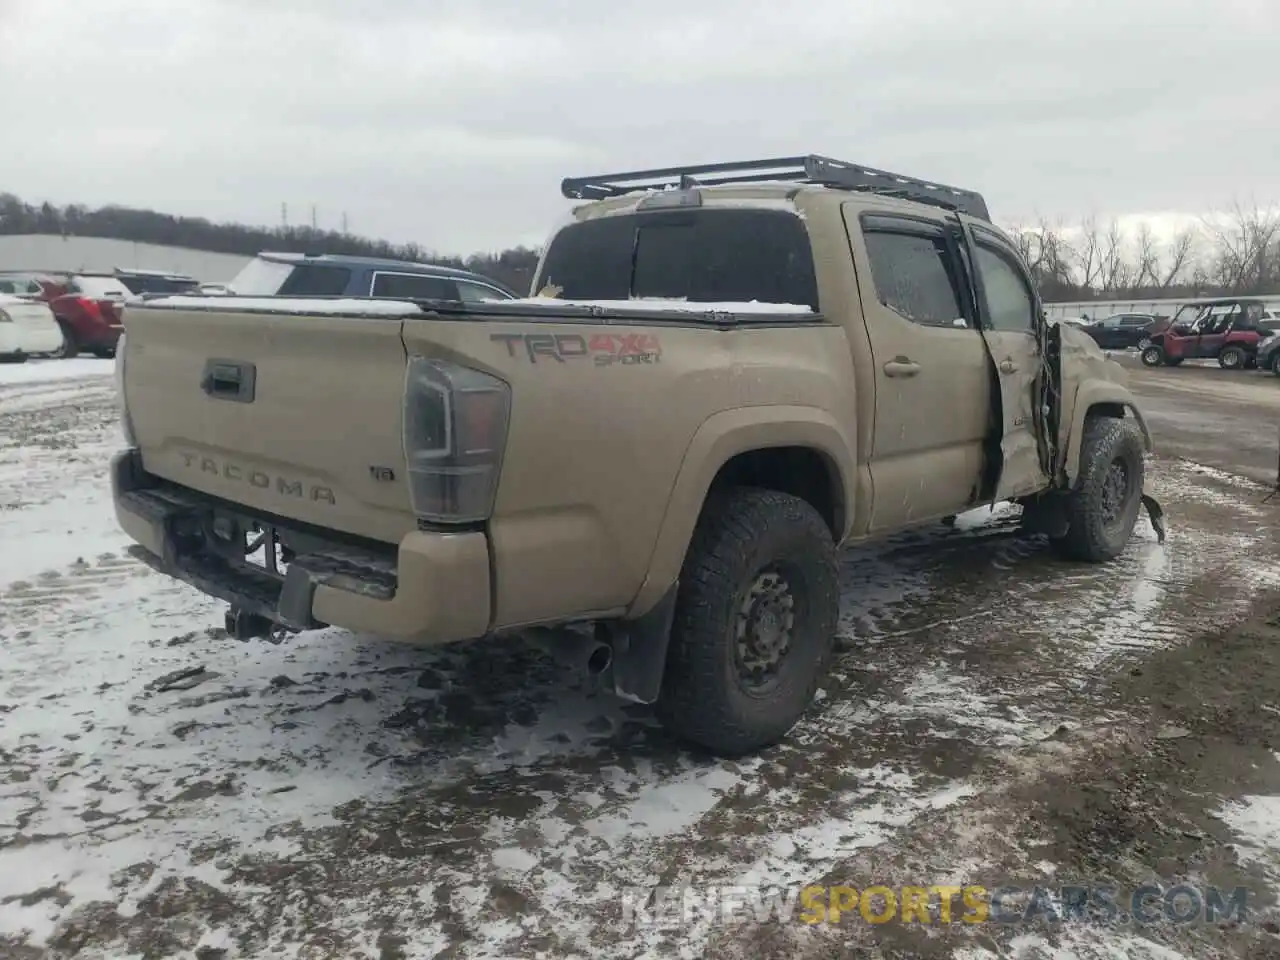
x: 601, y: 349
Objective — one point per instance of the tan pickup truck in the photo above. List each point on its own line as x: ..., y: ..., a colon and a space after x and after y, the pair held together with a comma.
x: 728, y: 373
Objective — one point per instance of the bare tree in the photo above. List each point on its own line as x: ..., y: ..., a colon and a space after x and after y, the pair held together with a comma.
x: 1246, y: 248
x: 1180, y: 251
x: 1115, y: 272
x: 1087, y: 254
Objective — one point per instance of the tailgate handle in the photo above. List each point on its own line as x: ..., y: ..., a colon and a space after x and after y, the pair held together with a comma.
x: 229, y: 380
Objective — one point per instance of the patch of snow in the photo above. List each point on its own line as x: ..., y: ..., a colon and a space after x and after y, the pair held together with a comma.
x: 1223, y: 476
x: 1255, y: 820
x: 342, y: 306
x: 867, y: 816
x: 47, y: 371
x: 668, y: 304
x: 1087, y: 943
x: 667, y: 809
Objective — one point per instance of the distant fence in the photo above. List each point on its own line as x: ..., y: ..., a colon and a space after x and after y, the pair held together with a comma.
x: 1099, y: 309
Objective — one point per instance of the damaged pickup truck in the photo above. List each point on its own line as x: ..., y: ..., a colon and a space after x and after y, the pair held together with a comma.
x: 729, y: 373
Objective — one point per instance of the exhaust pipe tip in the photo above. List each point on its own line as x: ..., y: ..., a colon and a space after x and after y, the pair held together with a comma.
x: 599, y: 660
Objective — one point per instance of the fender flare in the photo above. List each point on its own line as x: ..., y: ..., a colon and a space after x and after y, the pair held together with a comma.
x: 1089, y: 397
x: 720, y: 438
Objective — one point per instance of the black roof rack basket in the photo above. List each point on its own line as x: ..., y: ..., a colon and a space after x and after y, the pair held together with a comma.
x: 811, y: 169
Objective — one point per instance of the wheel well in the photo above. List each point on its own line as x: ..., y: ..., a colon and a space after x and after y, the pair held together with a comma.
x: 800, y: 471
x: 1116, y: 410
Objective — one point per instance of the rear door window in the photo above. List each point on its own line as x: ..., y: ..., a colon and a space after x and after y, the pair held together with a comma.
x: 314, y: 280
x: 478, y: 292
x: 703, y: 256
x: 408, y: 286
x: 914, y: 275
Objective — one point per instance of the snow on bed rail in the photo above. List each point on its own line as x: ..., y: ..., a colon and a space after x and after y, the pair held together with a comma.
x: 338, y: 307
x: 675, y: 306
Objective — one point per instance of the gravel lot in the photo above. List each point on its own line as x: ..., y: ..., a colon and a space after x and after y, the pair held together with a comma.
x: 996, y: 717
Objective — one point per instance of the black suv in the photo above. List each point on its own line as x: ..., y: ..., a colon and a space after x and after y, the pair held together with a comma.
x: 1123, y: 330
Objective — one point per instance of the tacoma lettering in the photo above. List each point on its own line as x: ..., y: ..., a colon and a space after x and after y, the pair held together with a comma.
x: 262, y: 481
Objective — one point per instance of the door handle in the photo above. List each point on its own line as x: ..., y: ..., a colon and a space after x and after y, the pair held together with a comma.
x: 901, y: 367
x: 1008, y: 366
x: 229, y: 380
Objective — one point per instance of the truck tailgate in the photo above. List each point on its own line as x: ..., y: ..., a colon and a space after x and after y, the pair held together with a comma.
x: 295, y: 416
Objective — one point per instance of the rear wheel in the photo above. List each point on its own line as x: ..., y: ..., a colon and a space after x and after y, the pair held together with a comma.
x: 754, y: 624
x: 1144, y: 343
x: 69, y: 346
x: 1152, y: 356
x: 1231, y: 358
x: 1103, y: 506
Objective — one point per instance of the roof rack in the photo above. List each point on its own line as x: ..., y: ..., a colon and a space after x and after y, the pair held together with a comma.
x: 811, y: 169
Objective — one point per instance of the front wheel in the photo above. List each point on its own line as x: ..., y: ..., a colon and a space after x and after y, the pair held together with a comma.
x: 1103, y: 506
x: 1152, y: 356
x: 754, y: 623
x: 1231, y: 358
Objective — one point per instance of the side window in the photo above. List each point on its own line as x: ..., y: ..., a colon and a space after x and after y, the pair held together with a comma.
x: 914, y: 276
x: 477, y: 292
x: 1009, y: 301
x: 313, y: 280
x: 406, y: 286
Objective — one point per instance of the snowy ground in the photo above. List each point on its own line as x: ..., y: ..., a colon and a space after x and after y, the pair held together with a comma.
x: 339, y: 796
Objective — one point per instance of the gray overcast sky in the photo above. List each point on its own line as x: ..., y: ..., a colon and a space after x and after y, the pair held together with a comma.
x: 451, y: 122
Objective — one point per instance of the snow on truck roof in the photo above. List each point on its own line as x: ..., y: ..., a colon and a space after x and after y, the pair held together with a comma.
x: 352, y: 306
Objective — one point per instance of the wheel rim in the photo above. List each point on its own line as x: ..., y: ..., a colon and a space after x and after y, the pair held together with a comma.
x: 1115, y: 492
x: 1231, y: 359
x: 1151, y: 357
x: 1144, y: 343
x: 764, y: 632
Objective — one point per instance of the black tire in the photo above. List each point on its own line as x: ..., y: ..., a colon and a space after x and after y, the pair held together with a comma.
x: 13, y: 358
x: 69, y: 348
x: 745, y: 537
x: 1231, y: 358
x: 1152, y: 356
x: 1275, y: 363
x: 104, y: 353
x: 1100, y: 518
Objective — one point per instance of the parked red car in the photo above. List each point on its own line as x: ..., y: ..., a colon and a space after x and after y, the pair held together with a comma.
x: 88, y: 307
x: 1228, y: 330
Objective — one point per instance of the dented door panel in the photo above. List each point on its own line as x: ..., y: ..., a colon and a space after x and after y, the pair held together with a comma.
x: 1010, y: 314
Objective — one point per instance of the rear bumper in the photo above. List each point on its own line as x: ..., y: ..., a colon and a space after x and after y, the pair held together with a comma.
x: 432, y: 588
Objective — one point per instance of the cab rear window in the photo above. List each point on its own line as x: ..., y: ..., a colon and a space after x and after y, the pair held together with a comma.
x: 706, y: 256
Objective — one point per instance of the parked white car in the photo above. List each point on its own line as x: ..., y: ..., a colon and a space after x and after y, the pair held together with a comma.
x: 27, y: 328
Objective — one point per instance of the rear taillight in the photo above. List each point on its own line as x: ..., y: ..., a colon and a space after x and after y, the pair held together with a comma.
x: 455, y: 429
x: 91, y: 308
x: 122, y: 402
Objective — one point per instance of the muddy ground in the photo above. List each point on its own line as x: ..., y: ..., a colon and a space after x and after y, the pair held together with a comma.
x: 996, y: 717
